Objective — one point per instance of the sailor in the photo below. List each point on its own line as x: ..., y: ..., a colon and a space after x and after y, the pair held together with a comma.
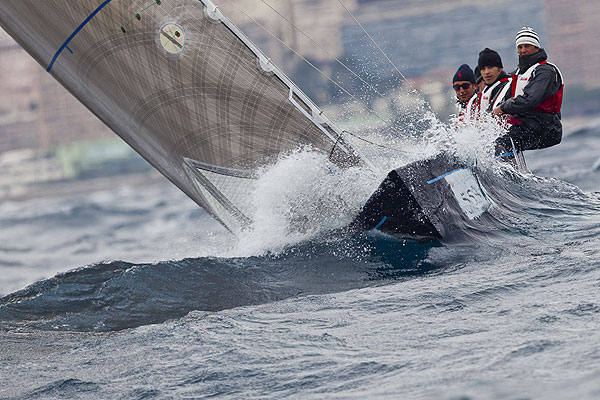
x: 464, y: 85
x: 479, y: 79
x: 535, y: 99
x: 472, y: 109
x: 495, y: 79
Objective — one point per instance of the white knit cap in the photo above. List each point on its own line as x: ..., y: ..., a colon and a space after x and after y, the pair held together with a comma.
x: 528, y: 36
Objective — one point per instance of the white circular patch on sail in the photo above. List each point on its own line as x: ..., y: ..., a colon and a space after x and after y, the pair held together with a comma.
x: 172, y: 38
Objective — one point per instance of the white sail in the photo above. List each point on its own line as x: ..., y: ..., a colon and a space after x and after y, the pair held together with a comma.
x: 181, y: 85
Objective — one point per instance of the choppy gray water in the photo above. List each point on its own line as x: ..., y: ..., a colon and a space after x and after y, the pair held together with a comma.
x: 160, y: 302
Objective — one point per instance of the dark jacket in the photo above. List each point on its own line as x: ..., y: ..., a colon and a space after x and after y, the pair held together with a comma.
x: 463, y: 104
x: 544, y: 82
x: 496, y: 91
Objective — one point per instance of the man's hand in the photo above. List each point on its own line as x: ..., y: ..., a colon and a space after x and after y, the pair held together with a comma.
x: 497, y: 111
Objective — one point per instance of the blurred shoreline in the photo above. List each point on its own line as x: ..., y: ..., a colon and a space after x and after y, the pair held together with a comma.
x: 17, y: 192
x: 47, y: 185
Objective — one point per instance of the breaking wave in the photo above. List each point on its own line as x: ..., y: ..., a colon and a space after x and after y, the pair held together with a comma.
x: 294, y: 248
x: 117, y: 295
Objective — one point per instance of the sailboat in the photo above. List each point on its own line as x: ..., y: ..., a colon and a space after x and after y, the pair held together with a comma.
x: 193, y: 95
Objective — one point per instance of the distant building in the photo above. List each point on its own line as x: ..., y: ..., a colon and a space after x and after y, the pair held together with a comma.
x: 19, y: 98
x: 35, y: 110
x: 294, y: 22
x: 420, y: 37
x: 62, y: 118
x: 573, y: 31
x: 423, y: 39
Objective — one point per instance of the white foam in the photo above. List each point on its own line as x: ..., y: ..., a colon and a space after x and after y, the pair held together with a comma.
x: 304, y: 195
x: 301, y: 196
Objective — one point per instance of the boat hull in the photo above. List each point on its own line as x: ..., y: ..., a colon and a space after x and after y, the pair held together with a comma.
x: 438, y: 198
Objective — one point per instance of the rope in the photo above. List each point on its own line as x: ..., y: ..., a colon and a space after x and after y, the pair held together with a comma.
x: 374, y: 143
x: 373, y: 40
x: 314, y: 67
x: 298, y: 54
x: 381, y: 50
x: 323, y: 49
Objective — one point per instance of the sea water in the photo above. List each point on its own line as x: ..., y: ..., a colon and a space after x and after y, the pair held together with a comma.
x: 138, y: 293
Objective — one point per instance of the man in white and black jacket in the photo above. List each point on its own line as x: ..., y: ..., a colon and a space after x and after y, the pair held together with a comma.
x: 491, y: 69
x: 533, y: 104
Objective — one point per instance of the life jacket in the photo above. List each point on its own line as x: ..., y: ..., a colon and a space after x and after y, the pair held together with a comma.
x: 486, y: 95
x: 550, y: 105
x: 472, y: 109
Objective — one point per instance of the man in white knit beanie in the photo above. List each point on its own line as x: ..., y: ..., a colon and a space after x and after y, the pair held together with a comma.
x: 532, y: 106
x: 528, y: 36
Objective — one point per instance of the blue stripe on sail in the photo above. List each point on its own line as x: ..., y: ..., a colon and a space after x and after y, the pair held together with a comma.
x: 458, y: 169
x: 443, y: 176
x: 505, y: 155
x: 380, y: 223
x: 79, y: 28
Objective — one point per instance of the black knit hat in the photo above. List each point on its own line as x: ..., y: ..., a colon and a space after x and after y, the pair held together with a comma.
x: 489, y: 58
x: 464, y: 73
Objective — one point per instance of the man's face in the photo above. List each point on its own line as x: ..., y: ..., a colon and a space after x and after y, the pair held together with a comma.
x: 490, y: 74
x: 527, y: 49
x: 464, y: 90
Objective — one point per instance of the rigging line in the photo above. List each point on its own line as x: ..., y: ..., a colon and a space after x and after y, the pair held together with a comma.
x: 384, y: 54
x: 391, y: 125
x: 374, y: 42
x: 299, y: 55
x: 323, y: 49
x: 374, y: 143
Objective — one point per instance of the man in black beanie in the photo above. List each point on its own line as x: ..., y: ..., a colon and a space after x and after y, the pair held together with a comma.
x: 490, y: 66
x: 464, y: 85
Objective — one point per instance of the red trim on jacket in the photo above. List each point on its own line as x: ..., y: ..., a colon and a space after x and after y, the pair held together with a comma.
x: 550, y: 105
